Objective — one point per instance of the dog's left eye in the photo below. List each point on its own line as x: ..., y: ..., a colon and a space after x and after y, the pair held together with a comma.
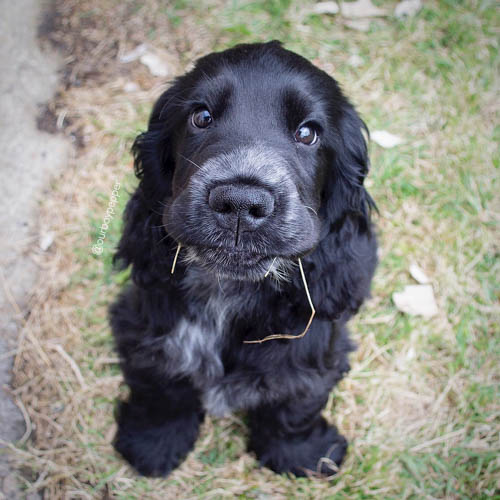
x: 306, y: 135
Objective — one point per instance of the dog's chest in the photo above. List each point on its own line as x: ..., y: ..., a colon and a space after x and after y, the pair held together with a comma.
x: 194, y: 347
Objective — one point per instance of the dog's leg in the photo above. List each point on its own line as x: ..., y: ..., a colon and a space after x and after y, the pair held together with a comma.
x: 159, y: 423
x: 294, y: 437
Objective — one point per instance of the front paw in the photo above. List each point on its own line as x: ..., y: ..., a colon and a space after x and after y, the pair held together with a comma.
x: 154, y: 448
x: 321, y: 451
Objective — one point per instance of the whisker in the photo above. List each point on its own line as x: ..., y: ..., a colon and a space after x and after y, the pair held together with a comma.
x: 164, y: 238
x: 157, y: 213
x: 312, y: 210
x: 190, y: 161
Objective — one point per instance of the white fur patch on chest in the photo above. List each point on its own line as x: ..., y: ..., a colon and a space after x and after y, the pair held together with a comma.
x: 194, y: 348
x: 194, y: 351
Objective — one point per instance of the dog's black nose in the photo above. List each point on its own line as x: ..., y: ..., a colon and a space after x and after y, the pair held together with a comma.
x: 241, y: 207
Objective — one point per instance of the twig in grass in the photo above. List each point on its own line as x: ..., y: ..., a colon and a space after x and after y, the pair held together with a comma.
x: 286, y: 336
x: 107, y: 361
x: 38, y: 347
x: 10, y: 297
x: 26, y: 417
x: 438, y: 440
x: 328, y: 462
x: 24, y: 330
x: 27, y: 422
x: 71, y: 362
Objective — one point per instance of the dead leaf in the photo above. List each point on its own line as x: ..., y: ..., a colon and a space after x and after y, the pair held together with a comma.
x: 134, y: 54
x: 407, y: 8
x: 361, y: 9
x: 358, y: 24
x: 325, y: 8
x: 385, y: 139
x: 46, y: 241
x: 418, y: 275
x: 131, y: 87
x: 416, y: 300
x: 156, y: 64
x: 355, y: 61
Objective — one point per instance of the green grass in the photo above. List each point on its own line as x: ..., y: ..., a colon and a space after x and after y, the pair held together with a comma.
x: 441, y: 48
x: 421, y: 403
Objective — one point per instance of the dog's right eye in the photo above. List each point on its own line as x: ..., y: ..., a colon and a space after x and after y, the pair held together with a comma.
x: 201, y: 118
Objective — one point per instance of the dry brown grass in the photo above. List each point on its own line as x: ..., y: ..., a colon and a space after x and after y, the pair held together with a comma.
x: 400, y: 404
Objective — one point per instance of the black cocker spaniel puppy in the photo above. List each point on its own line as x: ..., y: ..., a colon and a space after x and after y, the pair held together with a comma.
x: 253, y: 162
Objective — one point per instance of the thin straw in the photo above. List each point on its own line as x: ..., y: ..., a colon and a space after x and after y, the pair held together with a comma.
x: 270, y: 267
x: 286, y: 336
x: 175, y: 258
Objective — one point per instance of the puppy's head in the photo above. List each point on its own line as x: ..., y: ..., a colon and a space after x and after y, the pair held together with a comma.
x: 251, y: 158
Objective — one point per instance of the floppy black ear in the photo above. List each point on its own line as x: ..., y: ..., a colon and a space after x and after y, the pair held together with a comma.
x: 154, y: 162
x: 345, y: 193
x: 144, y: 242
x: 340, y: 269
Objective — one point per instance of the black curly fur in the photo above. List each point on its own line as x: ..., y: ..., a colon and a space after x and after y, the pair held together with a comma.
x: 283, y: 384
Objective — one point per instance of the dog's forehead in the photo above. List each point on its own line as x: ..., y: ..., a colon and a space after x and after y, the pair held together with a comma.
x: 261, y: 87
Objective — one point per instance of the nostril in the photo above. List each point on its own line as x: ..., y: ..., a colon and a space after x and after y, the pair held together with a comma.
x: 248, y: 204
x: 257, y: 211
x: 261, y: 205
x: 219, y: 201
x: 224, y: 208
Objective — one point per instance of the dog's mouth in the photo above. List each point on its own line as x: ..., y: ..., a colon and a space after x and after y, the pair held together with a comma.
x: 232, y: 263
